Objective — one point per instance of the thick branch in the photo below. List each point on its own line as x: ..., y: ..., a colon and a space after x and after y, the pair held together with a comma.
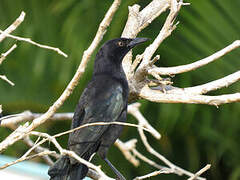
x: 166, y: 31
x: 137, y: 21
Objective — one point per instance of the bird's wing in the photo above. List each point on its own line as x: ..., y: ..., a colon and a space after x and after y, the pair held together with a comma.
x: 103, y: 106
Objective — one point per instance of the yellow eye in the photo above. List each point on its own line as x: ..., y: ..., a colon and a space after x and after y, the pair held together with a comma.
x: 120, y: 43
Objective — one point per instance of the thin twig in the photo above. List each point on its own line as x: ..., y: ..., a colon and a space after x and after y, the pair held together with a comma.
x: 4, y: 55
x: 23, y: 158
x: 3, y: 77
x: 69, y: 153
x: 155, y: 173
x: 201, y: 171
x: 29, y: 116
x: 28, y: 40
x: 102, y: 124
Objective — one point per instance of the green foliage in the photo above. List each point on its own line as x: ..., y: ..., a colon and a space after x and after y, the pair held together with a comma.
x: 193, y: 135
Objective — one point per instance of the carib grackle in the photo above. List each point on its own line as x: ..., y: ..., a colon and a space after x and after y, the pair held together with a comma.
x: 103, y: 100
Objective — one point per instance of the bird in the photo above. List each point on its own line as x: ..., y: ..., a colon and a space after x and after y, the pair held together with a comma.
x: 105, y: 99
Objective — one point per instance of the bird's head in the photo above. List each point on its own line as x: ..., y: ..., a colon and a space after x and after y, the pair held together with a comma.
x: 118, y: 48
x: 109, y: 57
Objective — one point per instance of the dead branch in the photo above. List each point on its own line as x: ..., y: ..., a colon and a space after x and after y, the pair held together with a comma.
x: 155, y: 173
x: 173, y: 168
x: 13, y: 26
x: 2, y: 58
x: 24, y: 158
x: 14, y: 119
x: 201, y: 171
x: 159, y: 96
x: 137, y: 21
x: 28, y: 40
x: 197, y: 64
x: 3, y: 77
x: 4, y: 55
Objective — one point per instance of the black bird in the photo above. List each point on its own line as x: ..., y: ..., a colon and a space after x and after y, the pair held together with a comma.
x: 103, y: 100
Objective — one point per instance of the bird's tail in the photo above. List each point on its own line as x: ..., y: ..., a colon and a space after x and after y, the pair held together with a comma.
x: 64, y: 170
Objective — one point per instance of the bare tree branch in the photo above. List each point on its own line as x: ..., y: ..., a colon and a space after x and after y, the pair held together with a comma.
x: 34, y: 43
x: 137, y: 21
x: 23, y: 158
x: 211, y: 86
x: 125, y: 149
x: 197, y: 64
x: 3, y: 77
x: 159, y: 96
x: 13, y: 26
x: 201, y: 171
x: 4, y: 55
x: 173, y: 168
x: 29, y: 116
x: 155, y: 173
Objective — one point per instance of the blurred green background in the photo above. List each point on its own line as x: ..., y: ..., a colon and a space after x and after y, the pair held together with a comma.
x: 193, y: 135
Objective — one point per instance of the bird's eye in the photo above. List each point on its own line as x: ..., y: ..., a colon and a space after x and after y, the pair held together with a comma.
x: 120, y: 43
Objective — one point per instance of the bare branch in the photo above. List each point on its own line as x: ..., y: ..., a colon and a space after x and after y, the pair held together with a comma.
x: 23, y: 158
x: 40, y: 149
x: 13, y: 26
x: 28, y: 40
x: 69, y: 153
x: 211, y: 86
x: 145, y: 159
x: 137, y: 21
x: 102, y: 124
x: 197, y: 64
x: 158, y: 96
x: 200, y: 172
x: 176, y: 170
x: 3, y: 77
x: 29, y: 116
x: 155, y: 173
x: 166, y: 31
x: 134, y: 110
x: 4, y: 55
x: 125, y: 149
x: 130, y: 152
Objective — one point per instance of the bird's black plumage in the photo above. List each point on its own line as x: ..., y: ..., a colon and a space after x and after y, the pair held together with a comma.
x: 103, y: 100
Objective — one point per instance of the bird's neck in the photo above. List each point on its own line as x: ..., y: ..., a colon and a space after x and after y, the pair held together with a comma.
x: 109, y: 66
x: 113, y: 71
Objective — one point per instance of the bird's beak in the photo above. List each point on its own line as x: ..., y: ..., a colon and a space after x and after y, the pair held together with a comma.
x: 137, y: 41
